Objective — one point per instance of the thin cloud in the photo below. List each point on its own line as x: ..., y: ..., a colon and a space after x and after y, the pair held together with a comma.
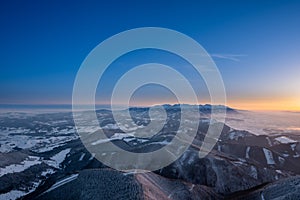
x: 233, y: 57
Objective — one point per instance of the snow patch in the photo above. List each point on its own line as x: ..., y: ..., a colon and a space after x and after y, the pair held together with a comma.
x: 111, y: 126
x: 62, y: 182
x: 253, y: 172
x: 16, y: 194
x: 165, y: 142
x: 235, y: 135
x: 293, y: 146
x: 247, y: 152
x: 48, y: 171
x: 116, y: 136
x: 269, y: 156
x: 285, y: 155
x: 285, y: 140
x: 92, y: 156
x: 269, y: 141
x: 57, y: 159
x: 48, y: 144
x: 219, y: 148
x: 101, y: 141
x: 13, y: 194
x: 281, y: 160
x: 296, y: 156
x: 28, y: 162
x: 81, y: 157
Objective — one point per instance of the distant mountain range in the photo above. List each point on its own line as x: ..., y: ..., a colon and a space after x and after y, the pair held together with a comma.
x: 206, y: 108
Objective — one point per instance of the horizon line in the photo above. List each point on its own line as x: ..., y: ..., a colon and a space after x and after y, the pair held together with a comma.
x: 150, y: 105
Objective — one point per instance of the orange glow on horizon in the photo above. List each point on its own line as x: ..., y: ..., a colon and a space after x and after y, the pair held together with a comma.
x: 242, y: 104
x: 267, y: 105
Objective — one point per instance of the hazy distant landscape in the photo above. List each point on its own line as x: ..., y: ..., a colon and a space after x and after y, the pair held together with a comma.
x: 42, y: 157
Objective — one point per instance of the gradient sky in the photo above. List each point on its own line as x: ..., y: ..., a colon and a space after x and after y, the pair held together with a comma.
x: 255, y: 44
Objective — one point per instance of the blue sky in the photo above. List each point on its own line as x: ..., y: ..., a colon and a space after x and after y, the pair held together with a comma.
x: 255, y: 45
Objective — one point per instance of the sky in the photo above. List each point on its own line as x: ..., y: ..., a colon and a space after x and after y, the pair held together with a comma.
x: 255, y: 45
